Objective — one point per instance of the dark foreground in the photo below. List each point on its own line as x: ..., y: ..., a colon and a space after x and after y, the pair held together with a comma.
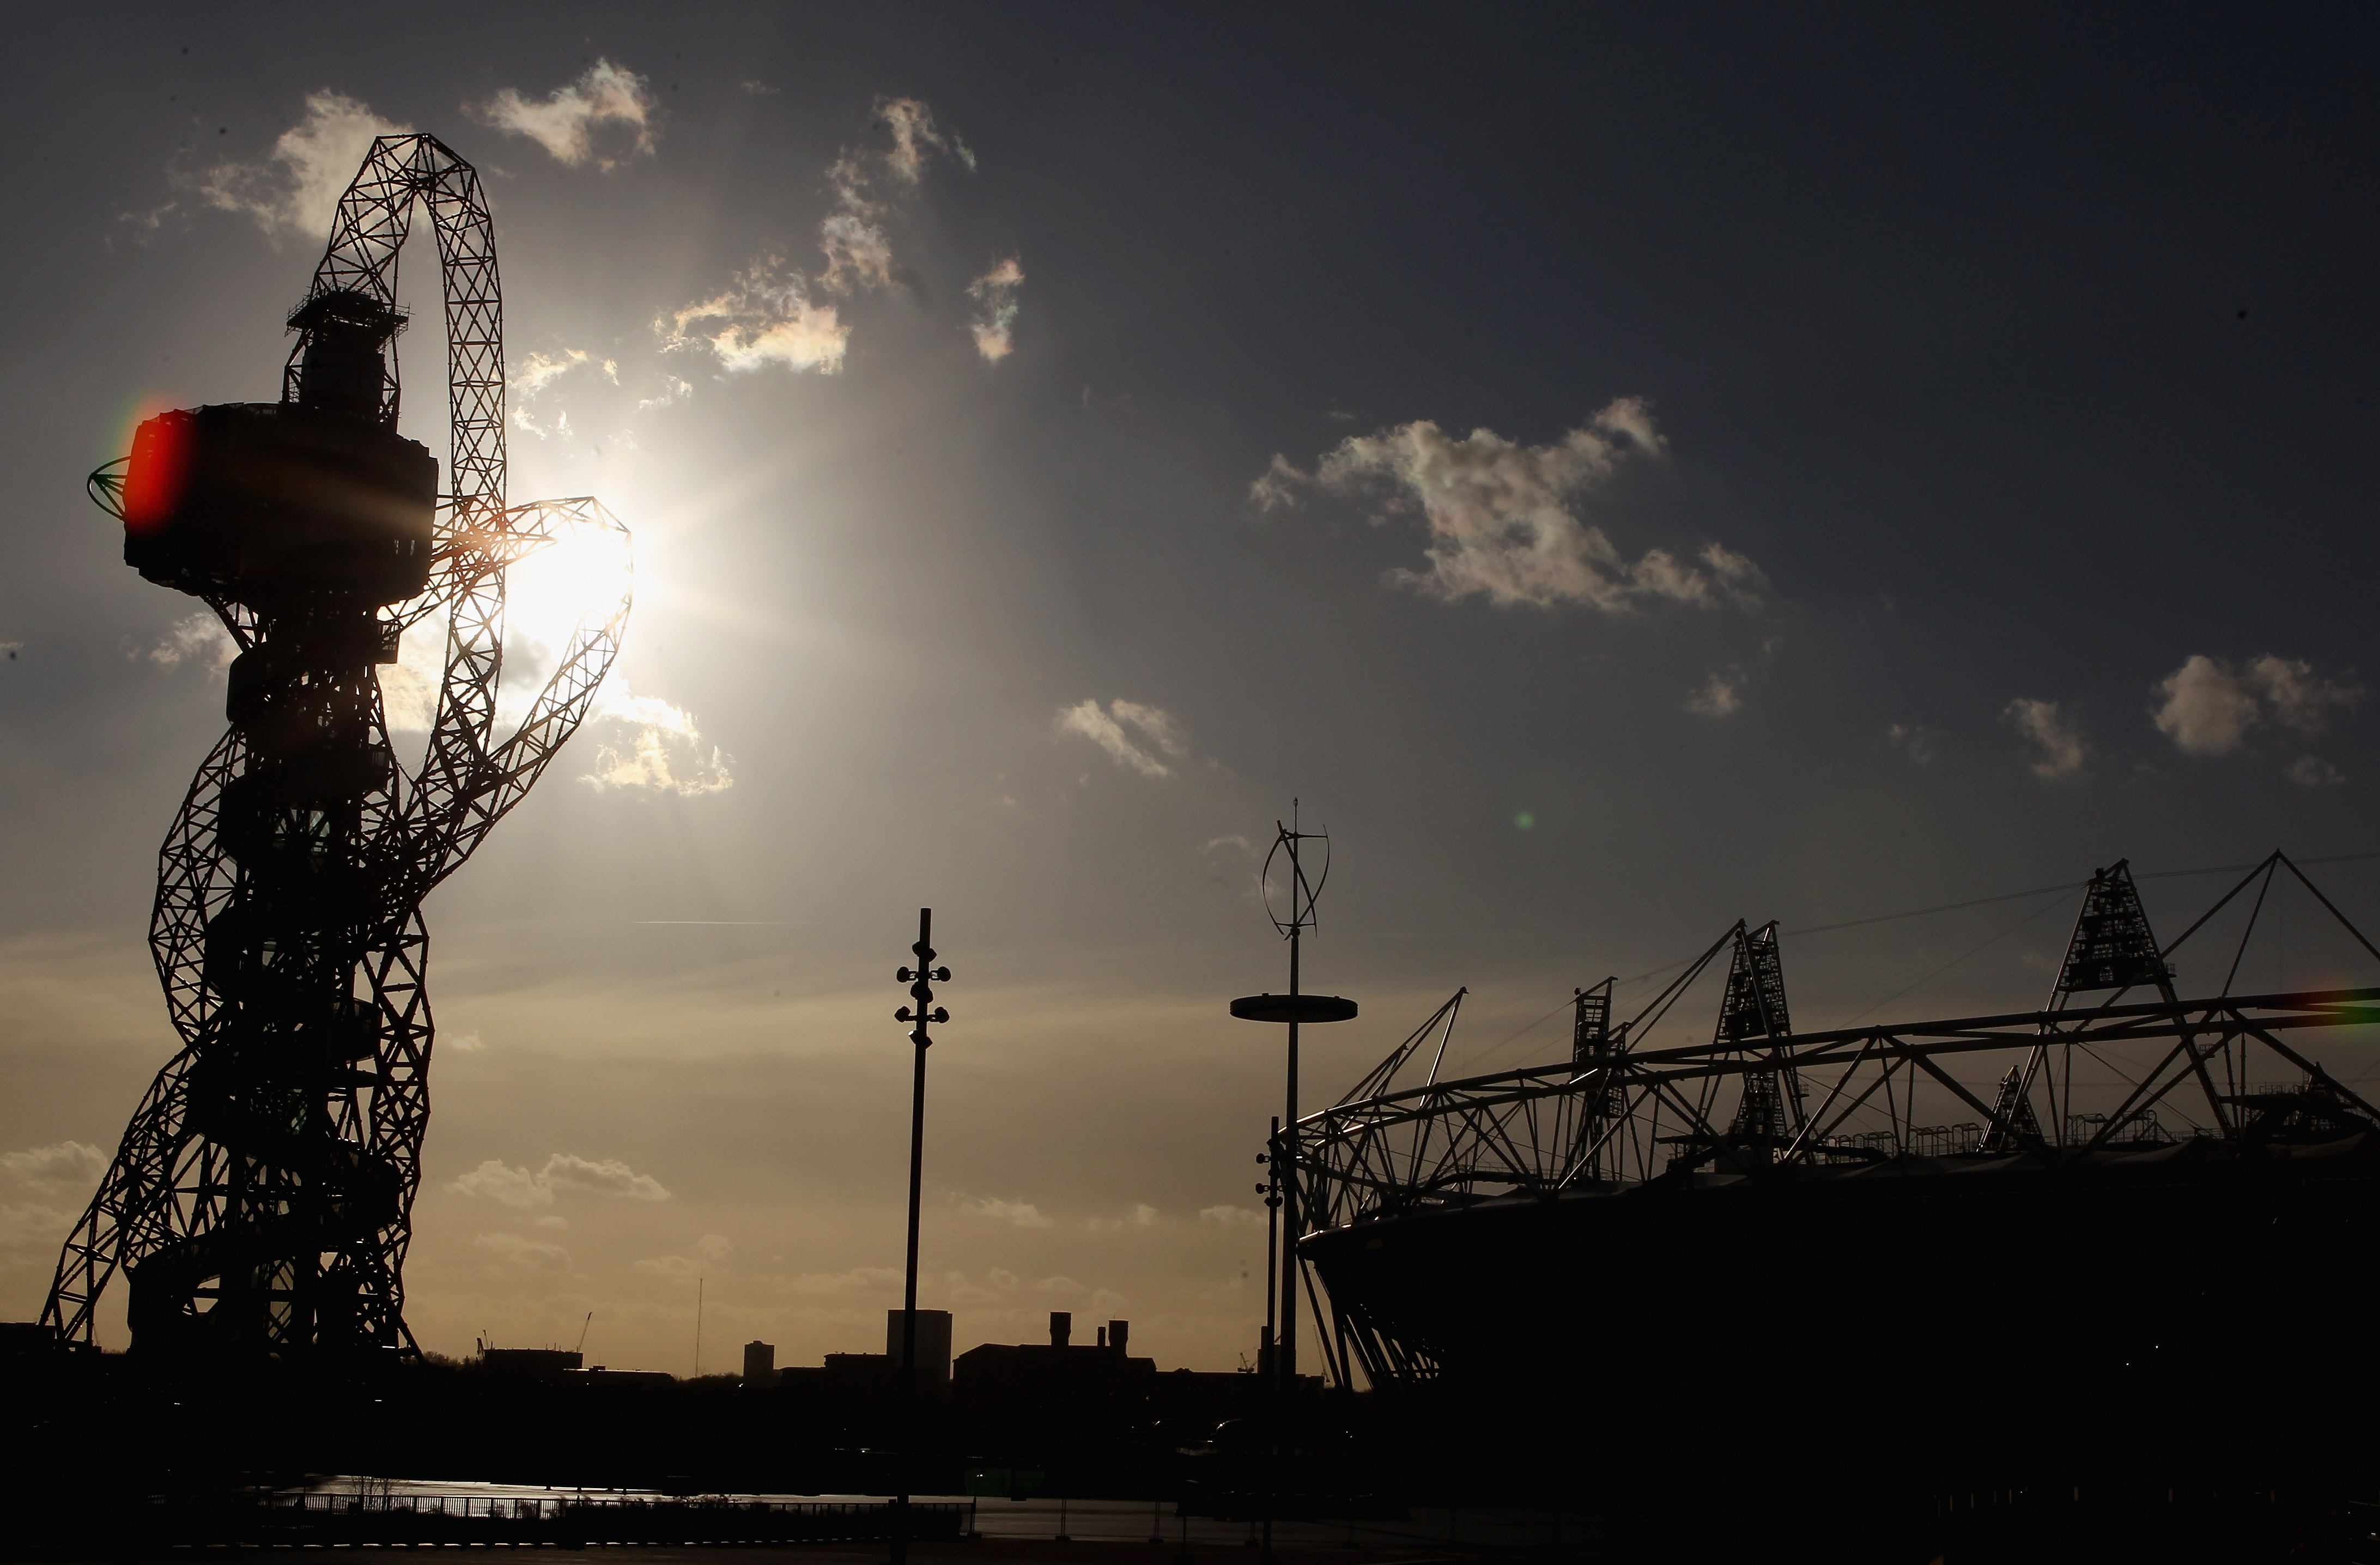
x: 102, y: 1457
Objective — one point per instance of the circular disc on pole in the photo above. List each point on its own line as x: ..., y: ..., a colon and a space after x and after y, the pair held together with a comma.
x: 1303, y: 1008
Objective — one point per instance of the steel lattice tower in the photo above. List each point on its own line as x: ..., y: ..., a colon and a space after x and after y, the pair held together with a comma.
x: 261, y: 1201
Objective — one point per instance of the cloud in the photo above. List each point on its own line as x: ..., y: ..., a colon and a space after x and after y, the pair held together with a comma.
x: 710, y: 1251
x: 1057, y: 1285
x: 995, y: 308
x: 541, y: 1254
x: 858, y: 253
x: 608, y: 1177
x: 1920, y: 745
x: 563, y: 1170
x: 63, y: 1165
x: 859, y: 1280
x: 1141, y: 1216
x: 294, y: 192
x: 2209, y: 707
x: 660, y: 749
x: 765, y: 316
x: 1023, y: 1214
x: 1501, y: 514
x: 996, y: 1287
x: 1159, y: 733
x: 673, y: 391
x: 1719, y: 696
x: 2312, y: 771
x: 1231, y: 1217
x: 565, y: 122
x: 2057, y: 740
x: 194, y: 639
x: 768, y: 314
x: 539, y: 370
x: 2300, y: 699
x: 62, y: 1172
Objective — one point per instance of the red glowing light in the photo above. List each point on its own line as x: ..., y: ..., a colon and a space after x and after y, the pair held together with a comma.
x: 159, y: 471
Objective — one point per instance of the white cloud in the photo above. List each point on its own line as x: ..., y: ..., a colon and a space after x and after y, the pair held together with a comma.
x: 2208, y: 705
x: 765, y: 316
x: 1023, y: 1214
x: 1231, y: 1217
x: 995, y: 308
x: 539, y: 370
x: 2312, y: 771
x: 858, y: 252
x: 658, y: 748
x: 498, y: 1181
x: 567, y: 122
x: 1719, y: 696
x: 2059, y: 749
x: 1501, y: 514
x: 63, y: 1165
x: 541, y: 1254
x: 1112, y: 729
x: 2207, y: 709
x: 608, y: 1176
x: 198, y: 638
x: 563, y: 1170
x: 673, y: 390
x: 295, y: 191
x: 2299, y: 699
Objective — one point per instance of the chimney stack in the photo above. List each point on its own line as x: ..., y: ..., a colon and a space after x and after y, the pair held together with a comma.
x: 1119, y: 1332
x: 1061, y: 1327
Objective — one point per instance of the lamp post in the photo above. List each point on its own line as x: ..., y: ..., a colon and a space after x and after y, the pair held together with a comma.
x: 920, y: 980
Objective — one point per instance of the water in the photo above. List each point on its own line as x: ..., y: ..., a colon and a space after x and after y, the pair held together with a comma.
x: 1086, y: 1521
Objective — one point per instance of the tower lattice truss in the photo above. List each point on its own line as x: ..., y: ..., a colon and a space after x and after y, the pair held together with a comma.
x: 261, y: 1199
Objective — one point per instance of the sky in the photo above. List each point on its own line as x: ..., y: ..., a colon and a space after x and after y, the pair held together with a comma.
x: 1618, y: 470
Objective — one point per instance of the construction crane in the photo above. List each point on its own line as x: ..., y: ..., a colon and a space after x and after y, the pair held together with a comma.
x: 261, y: 1201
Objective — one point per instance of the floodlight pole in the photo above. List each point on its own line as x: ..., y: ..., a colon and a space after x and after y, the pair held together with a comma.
x: 1294, y: 1008
x: 1284, y: 1341
x: 921, y: 990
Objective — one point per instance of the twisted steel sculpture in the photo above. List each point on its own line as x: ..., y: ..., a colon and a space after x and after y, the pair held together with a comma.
x: 261, y: 1201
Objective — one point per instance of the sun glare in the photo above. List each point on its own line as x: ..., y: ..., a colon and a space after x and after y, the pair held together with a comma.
x: 579, y: 579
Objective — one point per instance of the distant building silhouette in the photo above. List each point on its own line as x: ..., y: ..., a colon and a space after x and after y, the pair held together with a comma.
x: 759, y: 1363
x: 933, y: 1345
x: 535, y: 1364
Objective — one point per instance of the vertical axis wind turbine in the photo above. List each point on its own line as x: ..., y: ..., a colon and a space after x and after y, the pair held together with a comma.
x: 261, y: 1201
